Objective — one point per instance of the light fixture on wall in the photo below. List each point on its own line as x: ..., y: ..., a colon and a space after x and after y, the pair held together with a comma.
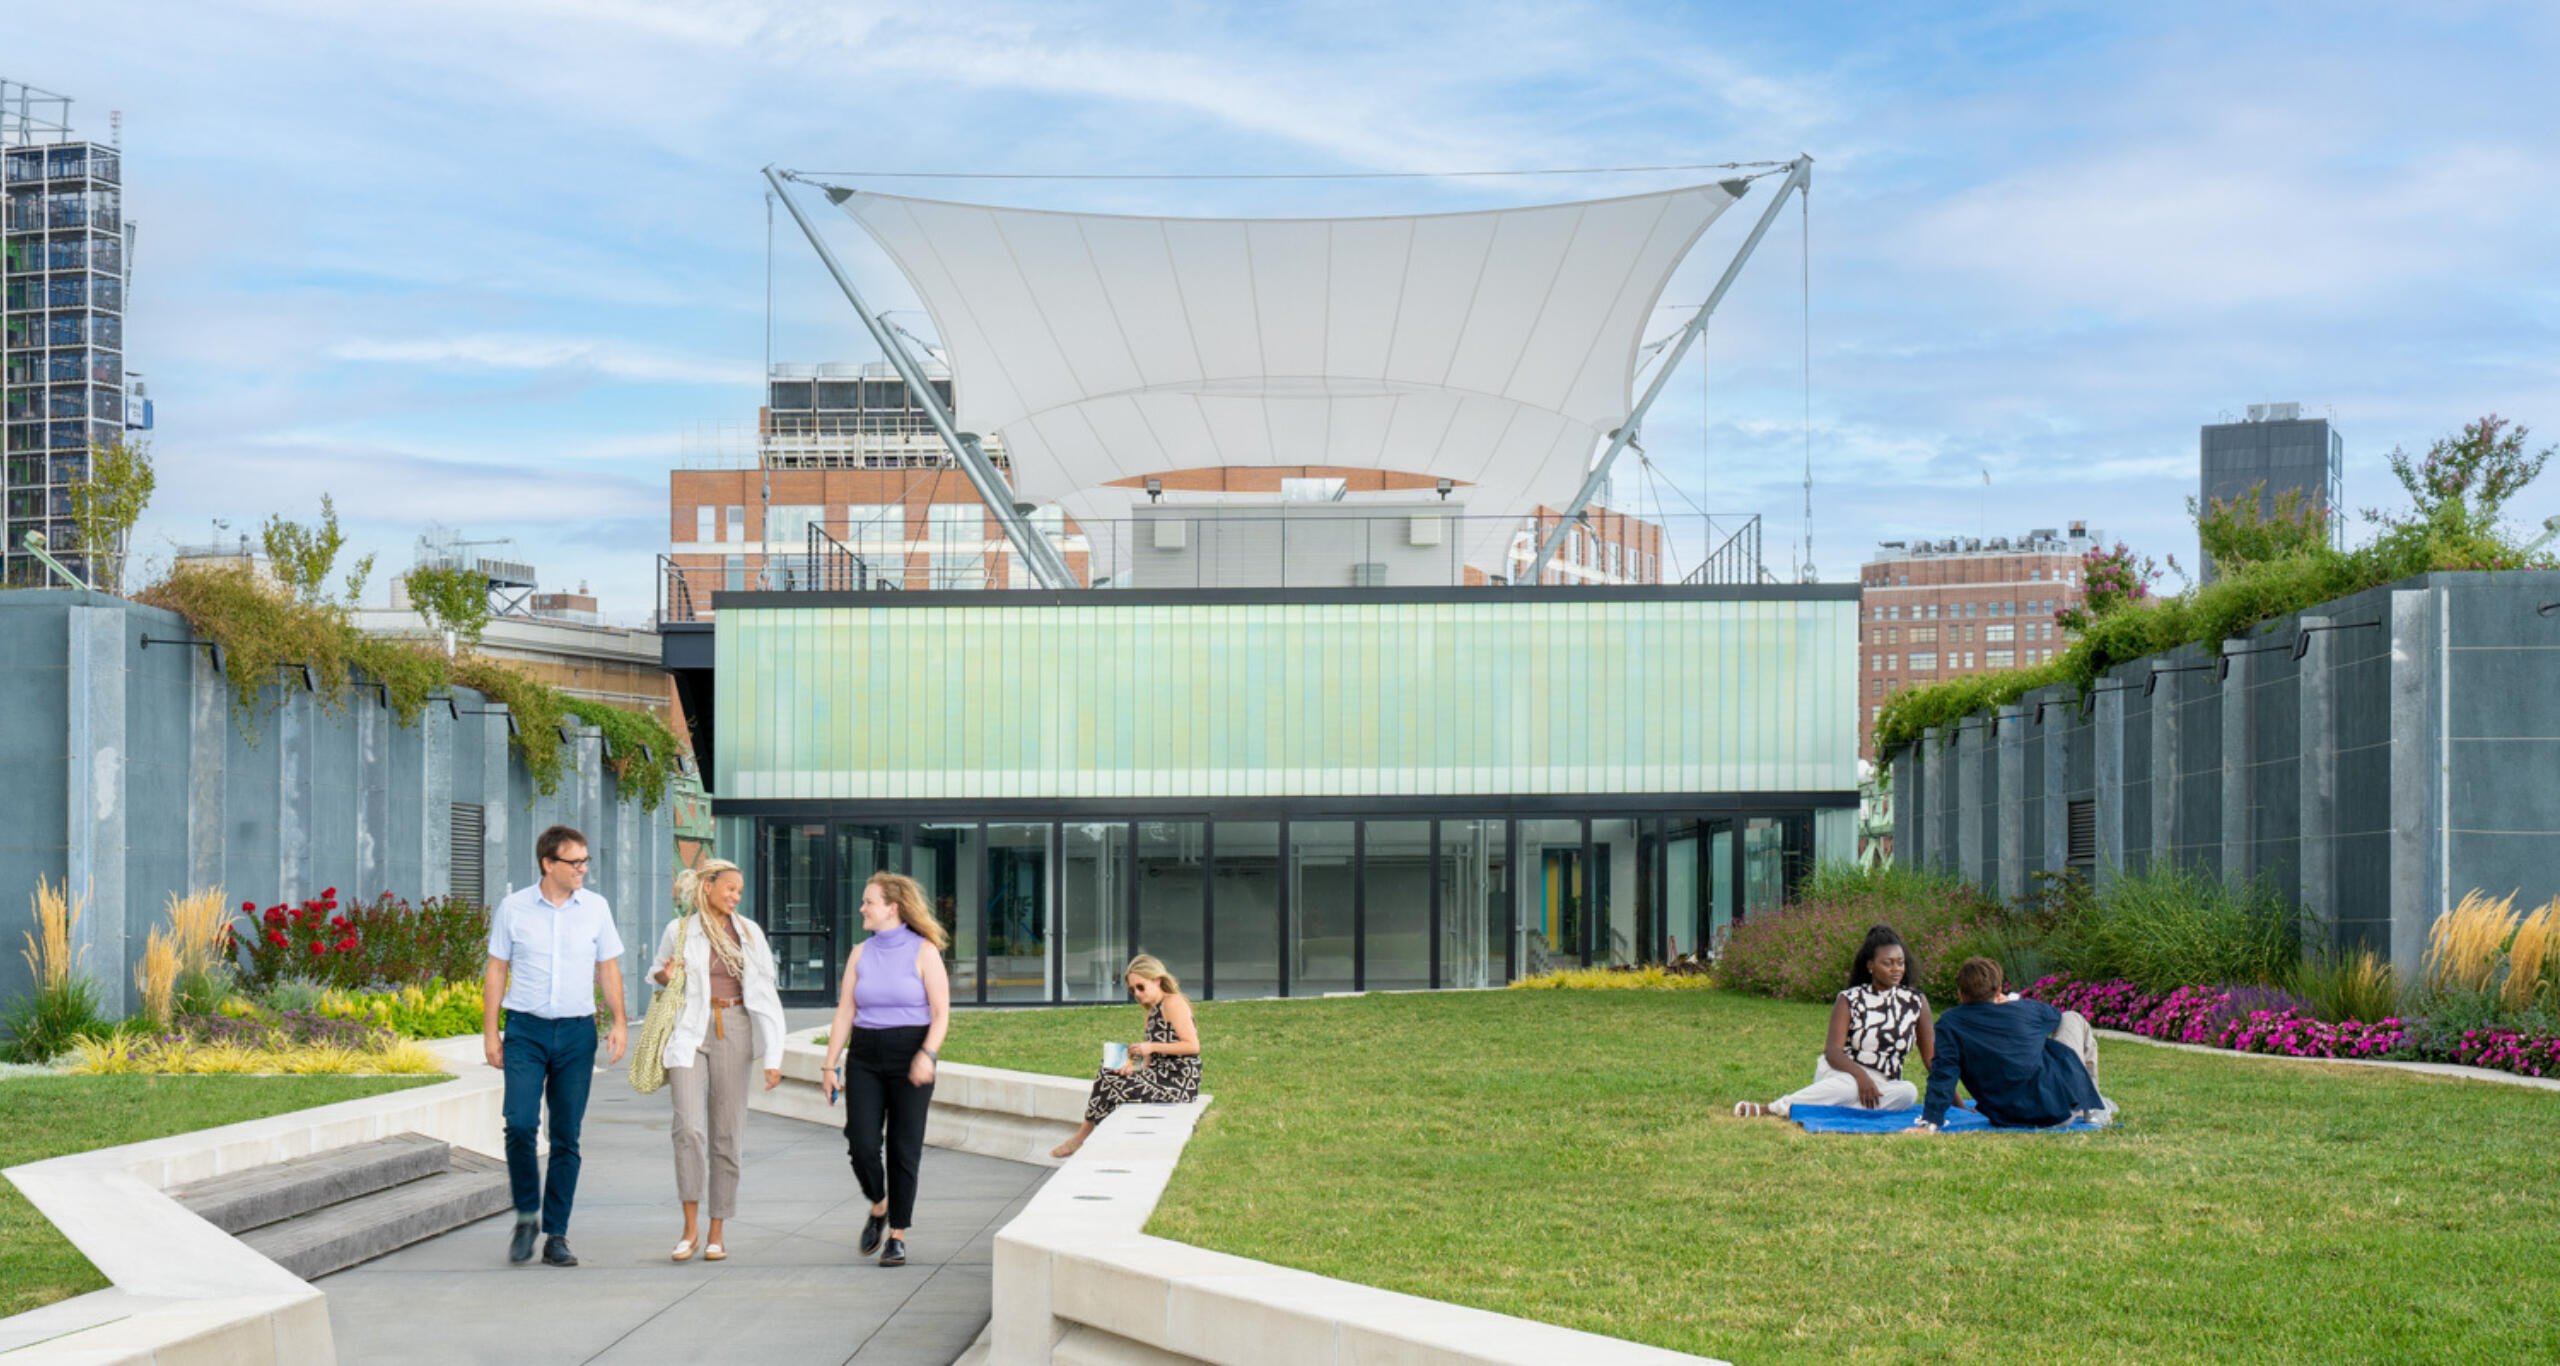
x: 1155, y: 490
x: 1444, y: 486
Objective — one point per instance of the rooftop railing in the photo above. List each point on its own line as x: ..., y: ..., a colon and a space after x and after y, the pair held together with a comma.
x: 1322, y: 545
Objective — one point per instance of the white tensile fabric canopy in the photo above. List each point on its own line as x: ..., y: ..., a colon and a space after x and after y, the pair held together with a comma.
x: 1497, y: 348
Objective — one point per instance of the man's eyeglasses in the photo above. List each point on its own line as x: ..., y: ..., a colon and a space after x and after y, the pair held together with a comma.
x: 571, y: 862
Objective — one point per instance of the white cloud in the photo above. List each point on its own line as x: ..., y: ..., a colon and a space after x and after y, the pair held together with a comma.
x: 576, y: 354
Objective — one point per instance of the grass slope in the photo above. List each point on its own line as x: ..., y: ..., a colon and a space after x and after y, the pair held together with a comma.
x: 43, y: 1117
x: 1564, y: 1156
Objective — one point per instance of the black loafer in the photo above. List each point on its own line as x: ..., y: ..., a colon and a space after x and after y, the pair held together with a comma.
x: 894, y: 1252
x: 872, y: 1228
x: 520, y: 1248
x: 555, y: 1252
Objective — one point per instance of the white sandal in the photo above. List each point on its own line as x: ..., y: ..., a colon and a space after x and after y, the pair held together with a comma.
x: 683, y: 1251
x: 1749, y: 1109
x: 715, y: 1253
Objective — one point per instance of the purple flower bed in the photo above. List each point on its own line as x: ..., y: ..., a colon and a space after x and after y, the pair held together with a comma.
x: 281, y: 1030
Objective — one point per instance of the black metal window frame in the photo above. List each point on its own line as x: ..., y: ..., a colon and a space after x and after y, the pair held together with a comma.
x: 1653, y: 829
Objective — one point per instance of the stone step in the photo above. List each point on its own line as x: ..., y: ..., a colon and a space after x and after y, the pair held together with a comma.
x: 243, y: 1200
x: 368, y: 1226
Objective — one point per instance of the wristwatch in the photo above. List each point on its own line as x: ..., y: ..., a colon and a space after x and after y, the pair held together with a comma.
x: 937, y: 1058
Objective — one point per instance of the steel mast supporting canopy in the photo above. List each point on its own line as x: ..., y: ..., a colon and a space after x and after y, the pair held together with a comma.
x: 1499, y: 348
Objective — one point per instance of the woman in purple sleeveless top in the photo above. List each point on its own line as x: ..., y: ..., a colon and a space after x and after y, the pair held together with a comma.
x: 896, y: 1004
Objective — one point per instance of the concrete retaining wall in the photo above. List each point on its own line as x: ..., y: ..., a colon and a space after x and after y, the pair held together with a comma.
x: 184, y: 1290
x: 2404, y: 759
x: 134, y: 778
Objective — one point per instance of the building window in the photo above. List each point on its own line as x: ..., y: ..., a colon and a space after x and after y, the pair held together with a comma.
x: 1923, y: 661
x: 735, y: 575
x: 1924, y: 635
x: 875, y: 526
x: 787, y: 524
x: 1894, y: 636
x: 2000, y: 659
x: 958, y: 531
x: 706, y: 526
x: 1999, y: 633
x: 737, y: 523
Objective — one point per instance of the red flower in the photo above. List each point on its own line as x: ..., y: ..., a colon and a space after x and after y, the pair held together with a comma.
x: 248, y: 908
x: 276, y: 937
x: 328, y: 892
x: 347, y: 945
x: 318, y: 947
x: 275, y: 915
x: 337, y: 922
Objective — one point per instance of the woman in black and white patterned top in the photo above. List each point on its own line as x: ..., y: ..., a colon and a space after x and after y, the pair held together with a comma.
x: 1874, y: 1023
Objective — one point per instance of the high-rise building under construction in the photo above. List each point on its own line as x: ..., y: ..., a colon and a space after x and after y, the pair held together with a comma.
x: 67, y: 268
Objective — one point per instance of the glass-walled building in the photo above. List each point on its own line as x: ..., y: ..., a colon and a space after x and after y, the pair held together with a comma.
x: 1279, y: 793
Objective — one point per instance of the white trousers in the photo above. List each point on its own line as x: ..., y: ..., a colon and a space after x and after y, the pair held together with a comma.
x: 1833, y: 1087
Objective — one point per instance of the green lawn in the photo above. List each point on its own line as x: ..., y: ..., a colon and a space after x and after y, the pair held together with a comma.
x: 43, y: 1117
x: 1566, y: 1156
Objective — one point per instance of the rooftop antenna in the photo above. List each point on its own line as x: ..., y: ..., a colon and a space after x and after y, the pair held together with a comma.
x: 115, y: 129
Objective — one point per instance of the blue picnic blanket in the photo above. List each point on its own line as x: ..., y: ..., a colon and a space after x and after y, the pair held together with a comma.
x: 1852, y: 1119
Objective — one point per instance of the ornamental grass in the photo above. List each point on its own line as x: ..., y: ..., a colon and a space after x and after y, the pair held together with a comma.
x: 2530, y: 959
x: 179, y: 1055
x: 50, y: 958
x: 2464, y: 944
x: 156, y: 975
x: 1651, y: 977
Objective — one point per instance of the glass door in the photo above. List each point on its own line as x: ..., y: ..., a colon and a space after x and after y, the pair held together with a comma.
x: 949, y: 861
x: 1018, y: 913
x: 798, y: 909
x: 861, y: 850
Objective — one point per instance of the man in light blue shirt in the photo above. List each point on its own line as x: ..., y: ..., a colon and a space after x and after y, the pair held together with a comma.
x: 552, y: 948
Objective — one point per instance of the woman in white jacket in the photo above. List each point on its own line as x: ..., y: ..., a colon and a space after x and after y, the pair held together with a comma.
x: 732, y: 1019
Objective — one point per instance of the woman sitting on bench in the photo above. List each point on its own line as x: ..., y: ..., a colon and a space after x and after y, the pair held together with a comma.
x: 1873, y: 1025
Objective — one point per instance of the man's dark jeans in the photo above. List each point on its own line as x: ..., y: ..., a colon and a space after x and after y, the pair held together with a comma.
x: 552, y: 1060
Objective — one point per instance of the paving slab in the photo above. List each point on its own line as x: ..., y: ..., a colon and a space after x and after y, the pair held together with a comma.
x: 794, y: 1289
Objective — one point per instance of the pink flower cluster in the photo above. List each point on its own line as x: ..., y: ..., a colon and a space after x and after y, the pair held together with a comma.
x: 2509, y: 1050
x: 2221, y: 1017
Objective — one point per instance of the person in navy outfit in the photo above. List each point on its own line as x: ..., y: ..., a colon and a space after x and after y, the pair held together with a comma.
x: 2026, y: 1064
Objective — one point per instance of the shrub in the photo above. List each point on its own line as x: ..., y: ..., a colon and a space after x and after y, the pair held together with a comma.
x: 1803, y: 952
x: 2356, y: 986
x: 438, y: 1011
x: 294, y: 994
x: 359, y: 944
x: 1652, y: 977
x: 2172, y: 925
x: 64, y: 1004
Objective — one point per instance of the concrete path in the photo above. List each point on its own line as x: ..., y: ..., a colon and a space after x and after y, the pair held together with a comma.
x: 794, y: 1289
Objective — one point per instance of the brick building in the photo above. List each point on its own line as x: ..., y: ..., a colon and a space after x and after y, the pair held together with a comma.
x: 849, y: 487
x: 1935, y: 610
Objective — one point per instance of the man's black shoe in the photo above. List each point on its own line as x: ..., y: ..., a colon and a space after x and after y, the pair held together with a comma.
x: 872, y: 1228
x: 894, y: 1252
x: 520, y: 1249
x: 555, y: 1252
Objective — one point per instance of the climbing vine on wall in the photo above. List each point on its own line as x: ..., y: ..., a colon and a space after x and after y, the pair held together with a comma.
x: 268, y: 636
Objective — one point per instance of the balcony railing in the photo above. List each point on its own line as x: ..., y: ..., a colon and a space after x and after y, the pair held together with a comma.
x: 1321, y: 546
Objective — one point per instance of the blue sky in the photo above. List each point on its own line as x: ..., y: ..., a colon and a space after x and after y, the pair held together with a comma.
x: 488, y: 263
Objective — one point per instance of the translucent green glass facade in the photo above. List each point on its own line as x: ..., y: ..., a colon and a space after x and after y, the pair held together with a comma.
x: 1140, y: 699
